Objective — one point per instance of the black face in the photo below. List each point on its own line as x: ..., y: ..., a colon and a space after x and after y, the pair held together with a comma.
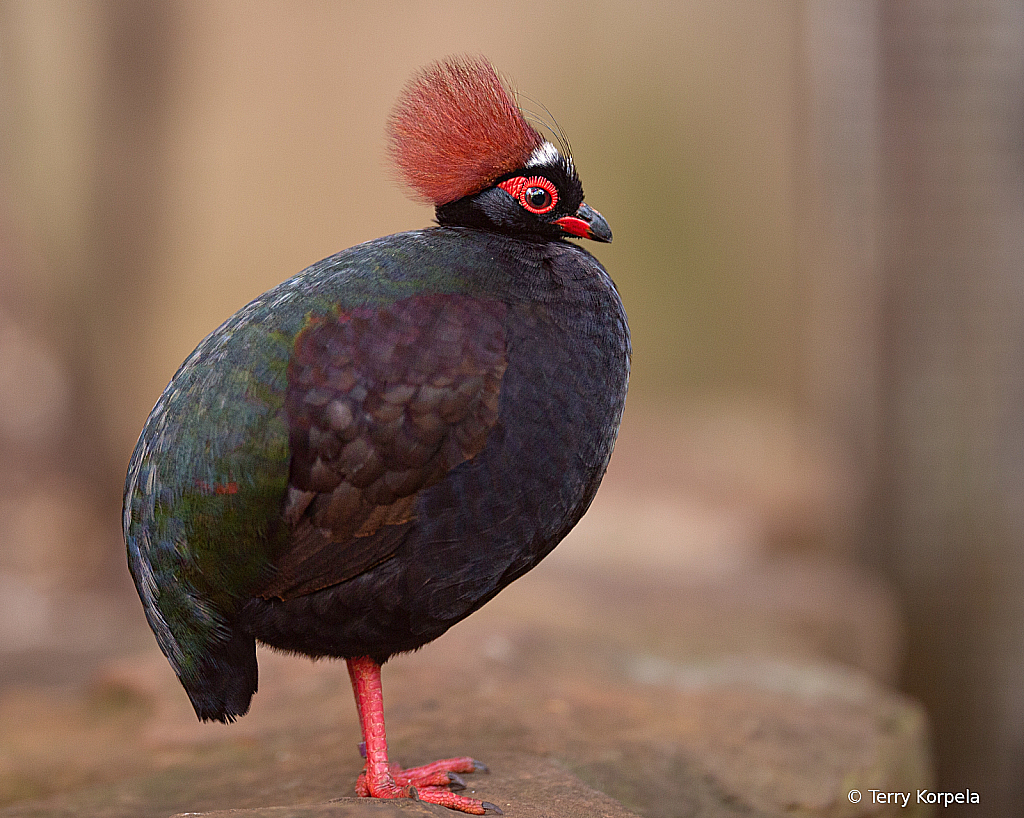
x: 541, y: 201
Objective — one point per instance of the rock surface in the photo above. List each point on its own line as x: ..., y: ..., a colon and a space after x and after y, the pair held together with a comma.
x: 755, y: 694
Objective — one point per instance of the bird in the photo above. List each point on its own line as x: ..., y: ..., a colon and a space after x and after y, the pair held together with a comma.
x: 370, y: 451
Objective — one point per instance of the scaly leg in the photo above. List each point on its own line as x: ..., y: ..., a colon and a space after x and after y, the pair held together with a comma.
x: 432, y: 783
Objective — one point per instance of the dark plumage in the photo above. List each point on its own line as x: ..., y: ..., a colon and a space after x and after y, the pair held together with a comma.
x: 370, y: 451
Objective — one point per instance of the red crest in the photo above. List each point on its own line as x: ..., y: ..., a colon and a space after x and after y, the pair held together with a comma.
x: 456, y: 129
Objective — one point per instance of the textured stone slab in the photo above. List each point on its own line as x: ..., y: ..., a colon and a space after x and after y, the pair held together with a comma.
x: 752, y: 695
x: 525, y: 787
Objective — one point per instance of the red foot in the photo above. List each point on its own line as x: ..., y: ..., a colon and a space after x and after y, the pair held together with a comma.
x: 432, y: 783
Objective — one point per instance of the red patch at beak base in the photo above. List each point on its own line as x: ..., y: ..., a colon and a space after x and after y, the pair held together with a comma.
x: 586, y: 223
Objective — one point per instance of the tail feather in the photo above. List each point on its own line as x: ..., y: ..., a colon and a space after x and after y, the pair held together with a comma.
x: 226, y: 680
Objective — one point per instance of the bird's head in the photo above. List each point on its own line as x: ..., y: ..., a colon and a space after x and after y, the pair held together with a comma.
x: 462, y: 143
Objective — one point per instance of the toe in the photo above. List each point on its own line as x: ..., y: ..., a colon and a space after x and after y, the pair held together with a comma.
x: 446, y: 798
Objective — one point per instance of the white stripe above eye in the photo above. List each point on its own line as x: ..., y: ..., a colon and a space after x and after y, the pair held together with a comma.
x: 544, y: 154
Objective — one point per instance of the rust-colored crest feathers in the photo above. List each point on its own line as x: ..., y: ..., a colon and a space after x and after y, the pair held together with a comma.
x: 456, y: 129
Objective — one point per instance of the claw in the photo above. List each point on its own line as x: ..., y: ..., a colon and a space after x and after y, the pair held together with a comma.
x: 456, y: 782
x: 488, y: 806
x: 480, y: 767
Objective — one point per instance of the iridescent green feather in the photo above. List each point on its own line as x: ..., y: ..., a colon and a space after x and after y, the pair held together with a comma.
x: 207, y: 481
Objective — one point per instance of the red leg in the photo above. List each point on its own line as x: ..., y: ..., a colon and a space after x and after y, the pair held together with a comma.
x: 380, y: 779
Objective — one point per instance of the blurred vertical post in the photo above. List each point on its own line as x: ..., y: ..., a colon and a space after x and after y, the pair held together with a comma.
x: 838, y: 226
x: 139, y: 46
x: 917, y: 331
x: 85, y: 87
x: 951, y: 484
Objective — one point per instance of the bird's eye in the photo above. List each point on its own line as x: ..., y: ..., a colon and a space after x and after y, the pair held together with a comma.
x: 535, y: 193
x: 537, y: 199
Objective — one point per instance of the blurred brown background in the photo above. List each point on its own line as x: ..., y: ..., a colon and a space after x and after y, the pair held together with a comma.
x: 818, y: 211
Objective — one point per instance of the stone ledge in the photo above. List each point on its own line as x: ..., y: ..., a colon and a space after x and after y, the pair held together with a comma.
x: 671, y: 698
x: 523, y: 786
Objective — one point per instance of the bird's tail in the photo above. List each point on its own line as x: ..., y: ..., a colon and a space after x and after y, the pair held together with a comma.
x: 226, y: 679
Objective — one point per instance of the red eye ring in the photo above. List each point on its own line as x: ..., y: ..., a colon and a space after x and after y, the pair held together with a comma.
x: 524, y: 189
